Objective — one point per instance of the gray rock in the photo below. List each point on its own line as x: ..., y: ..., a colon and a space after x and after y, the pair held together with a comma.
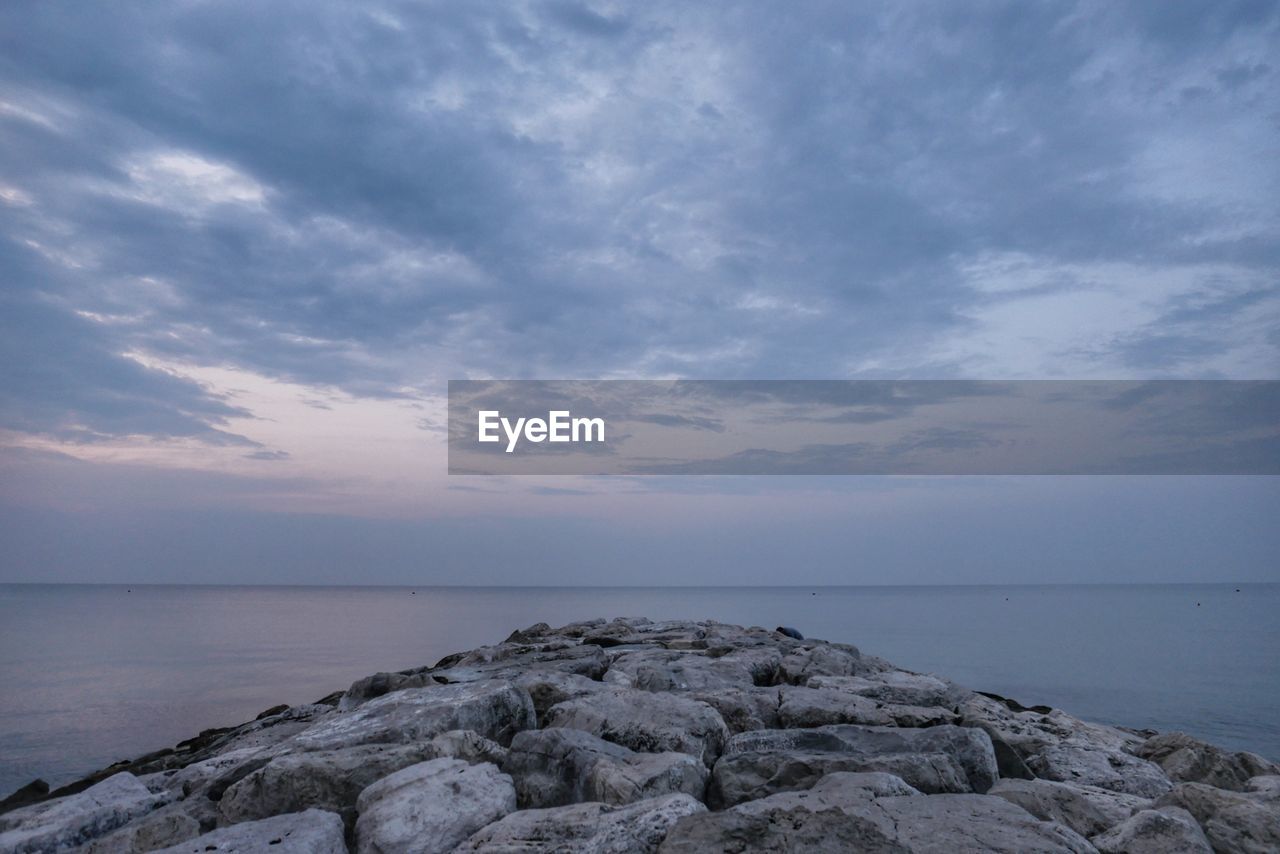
x: 1087, y: 810
x: 801, y: 707
x: 66, y: 822
x: 1168, y: 830
x: 510, y: 661
x: 1232, y: 821
x: 591, y: 828
x: 834, y: 791
x: 555, y: 767
x: 547, y: 688
x: 495, y: 709
x: 944, y: 824
x: 778, y: 828
x: 743, y: 709
x: 164, y: 827
x: 323, y: 779
x: 1099, y: 766
x: 892, y: 686
x: 969, y: 748
x: 670, y: 670
x: 1267, y: 785
x: 919, y: 716
x: 431, y: 807
x: 467, y: 745
x: 309, y: 832
x: 646, y: 722
x: 1189, y: 760
x: 822, y: 659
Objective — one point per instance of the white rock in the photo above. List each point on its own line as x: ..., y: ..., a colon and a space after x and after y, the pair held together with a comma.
x: 309, y: 832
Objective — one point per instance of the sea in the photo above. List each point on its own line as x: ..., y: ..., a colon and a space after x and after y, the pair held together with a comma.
x: 91, y: 674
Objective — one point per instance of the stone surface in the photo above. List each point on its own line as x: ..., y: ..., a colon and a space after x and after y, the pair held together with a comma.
x: 646, y: 722
x: 801, y: 707
x: 324, y: 779
x: 779, y: 829
x: 1189, y: 760
x: 165, y: 827
x: 547, y: 688
x: 556, y: 767
x: 892, y: 686
x: 944, y: 759
x: 1232, y: 821
x: 308, y: 832
x: 744, y: 709
x: 431, y: 807
x: 590, y: 828
x: 1168, y: 830
x: 496, y: 710
x: 834, y: 791
x: 63, y: 823
x: 944, y: 824
x: 1087, y: 810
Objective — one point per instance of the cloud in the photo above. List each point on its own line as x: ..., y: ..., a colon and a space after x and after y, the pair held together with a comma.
x: 378, y: 197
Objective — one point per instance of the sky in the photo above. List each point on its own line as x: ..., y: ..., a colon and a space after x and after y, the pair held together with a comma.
x: 244, y: 245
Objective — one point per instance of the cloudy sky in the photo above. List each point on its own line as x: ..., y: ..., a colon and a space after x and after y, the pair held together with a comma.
x: 244, y: 245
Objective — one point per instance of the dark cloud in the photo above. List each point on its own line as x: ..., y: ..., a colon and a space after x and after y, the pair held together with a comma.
x: 378, y: 196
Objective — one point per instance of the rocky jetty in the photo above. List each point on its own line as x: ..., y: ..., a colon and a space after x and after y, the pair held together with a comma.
x: 641, y: 736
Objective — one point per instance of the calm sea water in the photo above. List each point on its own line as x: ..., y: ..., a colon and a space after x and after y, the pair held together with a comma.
x: 93, y: 674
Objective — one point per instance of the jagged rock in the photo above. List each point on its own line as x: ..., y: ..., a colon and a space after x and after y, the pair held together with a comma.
x: 834, y: 791
x: 549, y: 687
x: 77, y: 819
x: 646, y: 722
x: 1189, y: 760
x: 431, y: 807
x: 970, y: 749
x: 892, y: 686
x: 799, y: 666
x: 668, y: 670
x: 744, y: 709
x: 31, y: 793
x: 1087, y: 810
x: 309, y: 832
x: 467, y: 745
x: 943, y: 824
x: 509, y: 661
x: 555, y: 767
x: 323, y: 779
x: 1232, y: 821
x: 779, y: 829
x: 167, y: 826
x: 801, y: 707
x: 495, y: 709
x: 1267, y: 786
x: 379, y: 684
x: 1168, y: 830
x: 1056, y: 746
x: 591, y: 828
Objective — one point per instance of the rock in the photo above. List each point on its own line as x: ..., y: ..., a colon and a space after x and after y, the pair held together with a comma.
x: 779, y: 829
x: 1056, y: 746
x: 467, y: 745
x: 943, y: 824
x: 309, y: 832
x: 834, y: 791
x: 496, y: 710
x: 743, y: 709
x: 547, y: 688
x: 1087, y: 810
x: 823, y: 660
x: 1168, y: 830
x: 555, y: 767
x: 324, y: 779
x: 31, y: 793
x: 591, y: 828
x: 1268, y: 786
x: 77, y: 819
x: 789, y: 632
x: 668, y: 670
x: 1232, y: 821
x: 510, y: 661
x: 892, y: 686
x: 379, y: 684
x: 646, y: 722
x: 165, y: 827
x: 431, y: 807
x: 1189, y: 760
x: 801, y: 707
x: 969, y: 748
